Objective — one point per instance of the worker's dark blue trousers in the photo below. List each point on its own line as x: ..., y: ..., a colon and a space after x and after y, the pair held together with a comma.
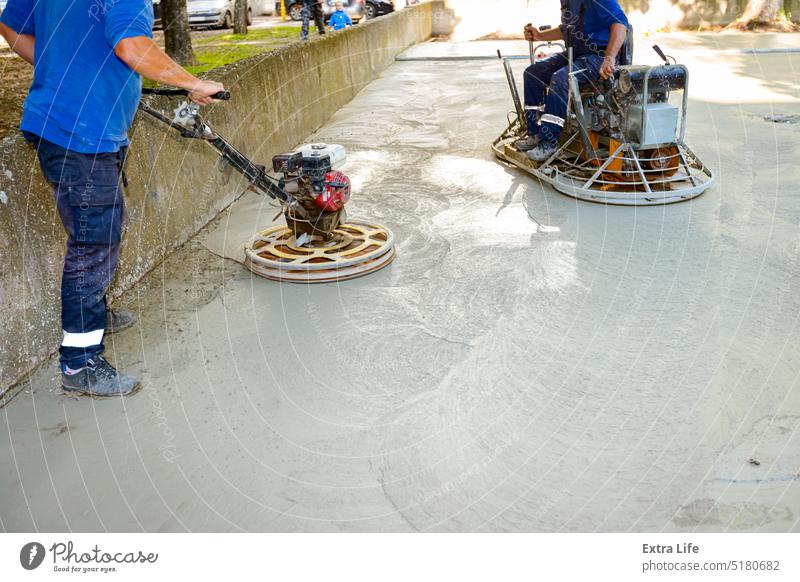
x: 89, y: 200
x: 309, y: 12
x: 547, y: 82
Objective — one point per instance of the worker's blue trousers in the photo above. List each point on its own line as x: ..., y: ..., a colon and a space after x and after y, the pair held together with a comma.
x: 309, y: 12
x: 547, y: 83
x: 89, y: 200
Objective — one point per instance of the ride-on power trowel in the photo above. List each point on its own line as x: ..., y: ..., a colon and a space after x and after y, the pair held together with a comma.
x: 317, y: 244
x: 622, y: 141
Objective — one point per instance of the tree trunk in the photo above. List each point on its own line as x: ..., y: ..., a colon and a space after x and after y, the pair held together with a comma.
x: 758, y: 13
x: 792, y: 9
x: 240, y: 17
x: 177, y: 39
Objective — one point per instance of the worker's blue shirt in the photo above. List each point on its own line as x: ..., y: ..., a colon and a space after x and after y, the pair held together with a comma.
x: 83, y: 97
x: 590, y: 22
x: 340, y: 20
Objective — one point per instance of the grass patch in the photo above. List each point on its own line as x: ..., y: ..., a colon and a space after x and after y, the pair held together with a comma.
x: 217, y: 51
x: 255, y: 35
x: 223, y: 49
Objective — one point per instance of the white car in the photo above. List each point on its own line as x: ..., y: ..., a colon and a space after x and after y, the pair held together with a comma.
x: 213, y: 13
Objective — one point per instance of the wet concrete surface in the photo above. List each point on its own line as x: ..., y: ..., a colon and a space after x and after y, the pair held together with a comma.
x: 529, y: 363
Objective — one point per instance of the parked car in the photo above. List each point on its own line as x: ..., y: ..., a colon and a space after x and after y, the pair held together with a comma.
x: 375, y: 8
x: 211, y: 13
x: 261, y: 7
x: 356, y: 9
x: 156, y: 13
x: 293, y: 8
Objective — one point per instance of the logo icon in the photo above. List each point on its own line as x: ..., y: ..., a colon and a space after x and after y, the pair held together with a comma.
x: 31, y: 555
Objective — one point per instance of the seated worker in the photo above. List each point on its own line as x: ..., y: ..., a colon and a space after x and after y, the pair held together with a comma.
x: 339, y: 19
x: 596, y: 30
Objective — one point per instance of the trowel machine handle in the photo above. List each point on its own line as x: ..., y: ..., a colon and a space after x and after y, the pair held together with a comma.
x: 221, y: 96
x: 189, y: 124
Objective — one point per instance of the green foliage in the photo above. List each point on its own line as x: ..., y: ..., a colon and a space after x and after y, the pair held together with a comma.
x: 257, y: 34
x: 217, y: 51
x: 220, y: 50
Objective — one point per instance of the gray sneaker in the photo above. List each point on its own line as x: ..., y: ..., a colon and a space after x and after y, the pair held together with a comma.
x: 543, y: 151
x: 527, y: 144
x: 100, y: 380
x: 117, y: 320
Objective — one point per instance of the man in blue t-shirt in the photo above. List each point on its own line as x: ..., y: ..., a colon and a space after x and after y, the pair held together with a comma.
x: 88, y: 58
x: 596, y: 30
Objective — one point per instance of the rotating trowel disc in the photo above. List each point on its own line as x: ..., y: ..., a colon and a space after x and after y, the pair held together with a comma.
x: 357, y: 249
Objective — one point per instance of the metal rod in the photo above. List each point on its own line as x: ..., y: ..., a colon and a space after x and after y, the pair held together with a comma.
x: 558, y: 151
x: 512, y: 85
x: 254, y: 174
x: 686, y: 166
x: 569, y: 93
x: 685, y: 105
x: 574, y: 91
x: 639, y: 167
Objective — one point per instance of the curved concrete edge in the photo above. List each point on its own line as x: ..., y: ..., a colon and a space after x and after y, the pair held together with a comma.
x: 175, y: 187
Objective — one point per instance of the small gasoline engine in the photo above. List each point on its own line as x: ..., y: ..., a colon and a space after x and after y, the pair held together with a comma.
x: 311, y: 175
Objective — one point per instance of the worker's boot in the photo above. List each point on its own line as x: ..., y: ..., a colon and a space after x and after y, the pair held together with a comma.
x: 543, y: 151
x: 99, y: 379
x: 117, y: 320
x: 528, y: 143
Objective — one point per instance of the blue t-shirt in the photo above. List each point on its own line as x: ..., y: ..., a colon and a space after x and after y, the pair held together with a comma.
x: 340, y: 20
x: 591, y: 22
x: 83, y: 97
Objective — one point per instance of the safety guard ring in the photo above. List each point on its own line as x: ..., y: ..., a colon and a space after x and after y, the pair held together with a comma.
x: 357, y: 249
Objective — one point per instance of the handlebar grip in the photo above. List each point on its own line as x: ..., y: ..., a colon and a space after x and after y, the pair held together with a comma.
x: 222, y: 95
x: 155, y: 91
x: 165, y: 92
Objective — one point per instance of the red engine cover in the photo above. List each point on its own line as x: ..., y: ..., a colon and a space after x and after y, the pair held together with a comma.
x: 336, y: 194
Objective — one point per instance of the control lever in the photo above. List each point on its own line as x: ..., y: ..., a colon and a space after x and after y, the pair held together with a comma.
x: 530, y: 43
x: 661, y: 53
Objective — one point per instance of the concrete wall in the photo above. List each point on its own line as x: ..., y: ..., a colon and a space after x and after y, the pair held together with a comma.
x: 175, y: 187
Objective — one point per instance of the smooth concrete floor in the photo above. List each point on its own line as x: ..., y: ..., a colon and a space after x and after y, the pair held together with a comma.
x: 529, y: 362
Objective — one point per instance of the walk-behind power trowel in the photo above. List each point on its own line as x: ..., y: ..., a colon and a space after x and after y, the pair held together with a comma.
x: 317, y: 244
x: 622, y: 141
